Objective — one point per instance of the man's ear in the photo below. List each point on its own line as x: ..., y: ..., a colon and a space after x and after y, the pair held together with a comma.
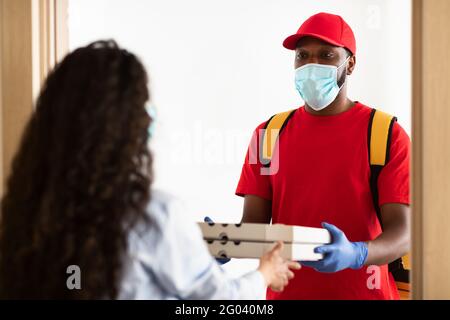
x: 351, y: 65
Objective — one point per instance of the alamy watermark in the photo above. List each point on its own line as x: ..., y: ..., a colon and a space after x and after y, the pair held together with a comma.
x: 374, y: 280
x: 73, y: 281
x: 200, y: 145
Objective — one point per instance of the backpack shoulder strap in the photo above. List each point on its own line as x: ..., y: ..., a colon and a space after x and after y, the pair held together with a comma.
x: 272, y: 130
x: 379, y: 142
x: 380, y: 128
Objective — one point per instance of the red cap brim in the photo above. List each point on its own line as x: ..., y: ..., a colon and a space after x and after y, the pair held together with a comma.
x: 291, y: 41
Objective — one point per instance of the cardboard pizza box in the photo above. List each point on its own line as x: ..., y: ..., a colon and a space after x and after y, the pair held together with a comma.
x: 254, y: 250
x: 264, y: 232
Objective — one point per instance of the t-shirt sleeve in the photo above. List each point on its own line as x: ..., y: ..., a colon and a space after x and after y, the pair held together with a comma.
x: 393, y: 181
x: 253, y: 180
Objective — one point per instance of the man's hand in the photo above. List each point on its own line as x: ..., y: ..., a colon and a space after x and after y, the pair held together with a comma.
x: 340, y: 254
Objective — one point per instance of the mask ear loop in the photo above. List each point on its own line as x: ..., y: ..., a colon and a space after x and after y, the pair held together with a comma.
x: 346, y: 60
x: 151, y: 111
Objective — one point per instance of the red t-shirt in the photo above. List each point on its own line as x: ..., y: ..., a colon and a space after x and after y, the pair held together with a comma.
x: 323, y: 175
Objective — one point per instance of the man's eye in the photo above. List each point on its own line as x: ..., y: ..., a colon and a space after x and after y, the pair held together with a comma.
x: 327, y: 55
x: 301, y: 55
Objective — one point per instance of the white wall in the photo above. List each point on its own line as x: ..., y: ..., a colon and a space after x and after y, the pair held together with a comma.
x: 218, y: 69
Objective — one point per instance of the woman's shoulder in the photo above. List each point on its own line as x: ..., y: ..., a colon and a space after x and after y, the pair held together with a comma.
x: 163, y: 206
x: 168, y: 230
x: 164, y: 212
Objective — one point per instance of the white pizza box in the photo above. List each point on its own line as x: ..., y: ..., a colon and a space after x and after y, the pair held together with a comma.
x: 264, y: 232
x: 249, y: 250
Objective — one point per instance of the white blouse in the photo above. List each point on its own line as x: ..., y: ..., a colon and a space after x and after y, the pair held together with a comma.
x: 168, y: 259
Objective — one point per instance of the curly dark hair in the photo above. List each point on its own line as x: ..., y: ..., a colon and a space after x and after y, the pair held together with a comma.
x: 80, y: 179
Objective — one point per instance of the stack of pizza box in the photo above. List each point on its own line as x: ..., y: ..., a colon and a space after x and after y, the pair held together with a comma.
x: 252, y: 240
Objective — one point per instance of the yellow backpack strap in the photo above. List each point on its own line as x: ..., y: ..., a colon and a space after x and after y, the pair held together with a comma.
x: 379, y: 140
x: 272, y: 130
x: 380, y: 127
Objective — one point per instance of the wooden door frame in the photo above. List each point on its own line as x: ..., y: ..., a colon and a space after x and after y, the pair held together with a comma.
x: 431, y: 150
x: 417, y: 147
x: 29, y: 30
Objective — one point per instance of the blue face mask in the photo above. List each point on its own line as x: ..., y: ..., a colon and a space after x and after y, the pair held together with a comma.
x: 317, y: 84
x: 151, y: 110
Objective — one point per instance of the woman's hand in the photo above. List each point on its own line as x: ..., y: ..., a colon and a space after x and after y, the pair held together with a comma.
x: 276, y: 270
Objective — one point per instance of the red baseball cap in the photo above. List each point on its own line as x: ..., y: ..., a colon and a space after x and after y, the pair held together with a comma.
x: 328, y: 27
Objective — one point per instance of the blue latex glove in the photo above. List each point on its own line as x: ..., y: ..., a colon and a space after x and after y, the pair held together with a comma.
x: 221, y: 261
x: 340, y: 254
